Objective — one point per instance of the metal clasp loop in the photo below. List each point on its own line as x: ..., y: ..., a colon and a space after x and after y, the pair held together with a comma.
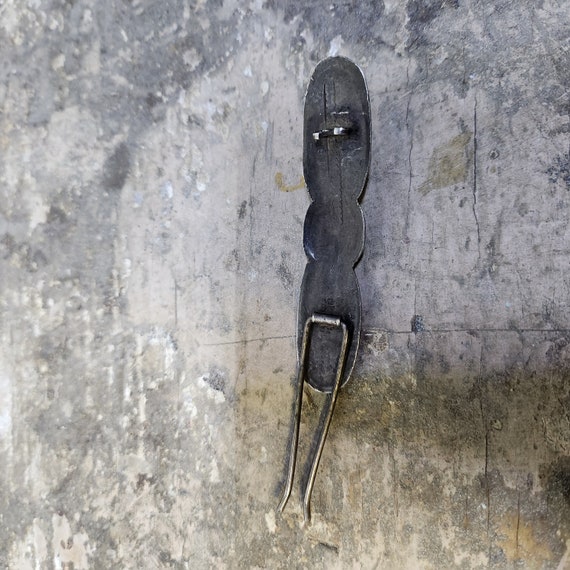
x: 334, y: 132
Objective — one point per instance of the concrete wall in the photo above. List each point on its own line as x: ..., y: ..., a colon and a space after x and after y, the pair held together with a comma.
x: 151, y: 254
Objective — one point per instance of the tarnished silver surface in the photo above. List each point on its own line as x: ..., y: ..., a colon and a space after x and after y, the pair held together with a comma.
x: 336, y: 157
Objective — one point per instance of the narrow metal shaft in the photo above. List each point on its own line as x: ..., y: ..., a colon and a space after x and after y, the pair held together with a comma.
x: 325, y: 430
x: 297, y: 420
x: 327, y: 321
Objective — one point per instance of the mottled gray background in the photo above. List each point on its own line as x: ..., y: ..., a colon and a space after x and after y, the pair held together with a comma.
x: 151, y: 253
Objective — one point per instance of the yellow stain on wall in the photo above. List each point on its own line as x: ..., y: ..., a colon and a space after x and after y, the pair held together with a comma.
x: 520, y: 541
x: 448, y: 164
x: 284, y: 187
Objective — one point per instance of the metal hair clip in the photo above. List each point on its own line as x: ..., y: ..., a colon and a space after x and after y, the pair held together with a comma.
x: 336, y: 157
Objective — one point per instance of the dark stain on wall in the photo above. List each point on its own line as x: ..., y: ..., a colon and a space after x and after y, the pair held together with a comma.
x: 357, y: 23
x: 559, y: 170
x: 421, y: 13
x: 116, y: 168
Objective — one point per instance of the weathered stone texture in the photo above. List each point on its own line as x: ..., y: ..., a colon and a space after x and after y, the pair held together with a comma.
x: 151, y: 214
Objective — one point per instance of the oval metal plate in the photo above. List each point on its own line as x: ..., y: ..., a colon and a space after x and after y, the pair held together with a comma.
x: 336, y: 158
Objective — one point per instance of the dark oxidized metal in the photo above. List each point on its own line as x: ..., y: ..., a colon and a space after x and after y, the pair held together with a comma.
x: 336, y: 157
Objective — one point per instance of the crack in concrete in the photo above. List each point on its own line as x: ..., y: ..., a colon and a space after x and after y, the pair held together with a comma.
x: 474, y: 206
x: 410, y: 168
x: 248, y: 340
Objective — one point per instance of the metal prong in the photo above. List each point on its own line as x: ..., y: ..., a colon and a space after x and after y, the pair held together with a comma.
x: 318, y: 452
x: 334, y: 132
x: 298, y: 402
x: 327, y: 321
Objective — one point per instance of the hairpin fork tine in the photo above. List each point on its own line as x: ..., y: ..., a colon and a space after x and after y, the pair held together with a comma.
x: 331, y: 322
x: 298, y: 403
x: 325, y: 429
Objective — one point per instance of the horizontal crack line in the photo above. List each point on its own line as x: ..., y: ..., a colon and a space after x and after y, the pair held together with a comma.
x: 248, y: 340
x: 370, y: 332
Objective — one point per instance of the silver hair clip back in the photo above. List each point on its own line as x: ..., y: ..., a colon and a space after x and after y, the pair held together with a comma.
x: 336, y: 158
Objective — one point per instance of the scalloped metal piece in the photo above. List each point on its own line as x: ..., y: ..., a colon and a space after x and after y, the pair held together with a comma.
x: 336, y: 158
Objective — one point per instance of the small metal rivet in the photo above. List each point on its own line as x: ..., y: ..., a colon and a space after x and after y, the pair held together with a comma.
x: 334, y: 132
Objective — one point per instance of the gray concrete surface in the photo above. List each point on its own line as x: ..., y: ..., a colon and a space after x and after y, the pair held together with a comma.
x: 151, y: 253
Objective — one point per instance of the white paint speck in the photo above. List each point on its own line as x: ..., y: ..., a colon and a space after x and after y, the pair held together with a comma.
x: 87, y: 17
x: 192, y: 59
x: 197, y: 173
x: 38, y: 212
x: 54, y: 23
x: 40, y: 545
x: 336, y: 46
x: 247, y: 71
x: 127, y: 265
x: 142, y: 408
x: 264, y: 87
x: 124, y: 35
x: 214, y: 472
x: 167, y: 190
x: 188, y: 402
x: 58, y: 62
x: 270, y: 522
x: 5, y: 405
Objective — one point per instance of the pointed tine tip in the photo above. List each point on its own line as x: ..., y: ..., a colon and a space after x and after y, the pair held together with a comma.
x: 284, y: 496
x: 306, y: 512
x: 281, y: 506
